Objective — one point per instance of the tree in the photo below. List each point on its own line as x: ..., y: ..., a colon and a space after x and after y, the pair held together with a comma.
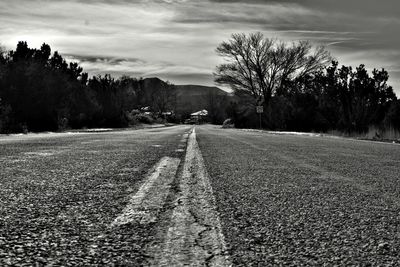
x: 36, y: 88
x: 3, y: 66
x: 361, y: 100
x: 216, y: 105
x: 260, y: 66
x: 392, y: 118
x: 164, y: 99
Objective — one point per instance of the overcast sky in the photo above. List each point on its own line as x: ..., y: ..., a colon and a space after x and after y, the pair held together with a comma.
x: 176, y: 39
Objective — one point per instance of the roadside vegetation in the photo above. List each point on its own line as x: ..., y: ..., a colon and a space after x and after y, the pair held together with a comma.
x: 40, y: 91
x: 302, y: 88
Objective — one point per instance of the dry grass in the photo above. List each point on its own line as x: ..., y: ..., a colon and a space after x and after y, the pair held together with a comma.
x: 374, y: 133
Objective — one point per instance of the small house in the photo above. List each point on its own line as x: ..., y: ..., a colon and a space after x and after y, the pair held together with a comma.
x: 199, y: 116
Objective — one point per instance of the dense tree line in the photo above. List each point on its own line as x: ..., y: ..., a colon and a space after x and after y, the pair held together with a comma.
x: 300, y: 91
x: 300, y: 87
x: 40, y: 91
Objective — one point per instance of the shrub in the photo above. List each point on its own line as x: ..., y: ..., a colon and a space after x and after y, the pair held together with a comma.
x: 228, y: 123
x: 143, y: 118
x: 159, y: 120
x: 5, y: 114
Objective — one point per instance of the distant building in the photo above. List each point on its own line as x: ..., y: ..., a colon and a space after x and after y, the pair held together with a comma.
x: 145, y: 109
x: 199, y: 116
x: 167, y: 113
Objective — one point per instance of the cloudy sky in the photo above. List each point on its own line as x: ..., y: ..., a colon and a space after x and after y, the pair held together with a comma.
x: 176, y: 39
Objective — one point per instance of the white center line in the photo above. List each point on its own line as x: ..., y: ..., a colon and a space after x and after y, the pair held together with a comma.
x: 195, y: 237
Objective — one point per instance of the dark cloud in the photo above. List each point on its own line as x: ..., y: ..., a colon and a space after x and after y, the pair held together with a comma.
x: 176, y: 39
x: 386, y: 8
x: 104, y: 59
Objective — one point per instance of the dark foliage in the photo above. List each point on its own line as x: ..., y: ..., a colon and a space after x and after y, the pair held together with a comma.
x: 332, y: 99
x: 392, y: 118
x: 40, y: 91
x: 298, y: 92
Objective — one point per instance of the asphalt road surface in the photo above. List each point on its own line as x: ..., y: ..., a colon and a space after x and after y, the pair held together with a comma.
x: 203, y: 197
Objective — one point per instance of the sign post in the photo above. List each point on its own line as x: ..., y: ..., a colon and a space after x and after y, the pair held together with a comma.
x: 260, y: 110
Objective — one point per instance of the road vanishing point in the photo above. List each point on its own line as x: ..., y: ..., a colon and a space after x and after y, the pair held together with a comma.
x: 197, y: 196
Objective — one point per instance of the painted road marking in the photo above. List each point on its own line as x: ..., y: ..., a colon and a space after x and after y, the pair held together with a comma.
x: 194, y: 237
x: 149, y: 199
x: 184, y: 138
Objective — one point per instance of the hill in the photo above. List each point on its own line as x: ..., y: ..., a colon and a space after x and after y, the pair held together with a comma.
x: 198, y: 90
x: 188, y: 97
x: 191, y: 98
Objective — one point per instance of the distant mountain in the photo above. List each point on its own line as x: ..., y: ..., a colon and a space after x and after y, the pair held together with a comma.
x: 197, y: 90
x: 153, y: 83
x: 191, y: 98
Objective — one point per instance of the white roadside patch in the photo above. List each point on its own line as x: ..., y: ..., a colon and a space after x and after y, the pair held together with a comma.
x: 194, y: 237
x: 149, y: 199
x: 295, y: 133
x: 156, y: 145
x: 43, y: 153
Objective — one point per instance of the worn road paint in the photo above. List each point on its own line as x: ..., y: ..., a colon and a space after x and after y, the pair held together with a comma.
x: 150, y: 197
x: 184, y: 138
x: 194, y: 237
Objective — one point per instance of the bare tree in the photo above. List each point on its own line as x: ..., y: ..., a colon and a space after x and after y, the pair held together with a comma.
x: 164, y: 99
x: 3, y: 59
x: 259, y: 65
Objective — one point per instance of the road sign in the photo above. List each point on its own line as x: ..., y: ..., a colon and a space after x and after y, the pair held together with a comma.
x: 259, y: 109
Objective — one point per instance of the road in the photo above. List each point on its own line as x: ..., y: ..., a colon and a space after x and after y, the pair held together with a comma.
x: 204, y: 196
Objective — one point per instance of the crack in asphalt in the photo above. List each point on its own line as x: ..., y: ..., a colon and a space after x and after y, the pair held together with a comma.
x: 194, y: 236
x: 56, y: 209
